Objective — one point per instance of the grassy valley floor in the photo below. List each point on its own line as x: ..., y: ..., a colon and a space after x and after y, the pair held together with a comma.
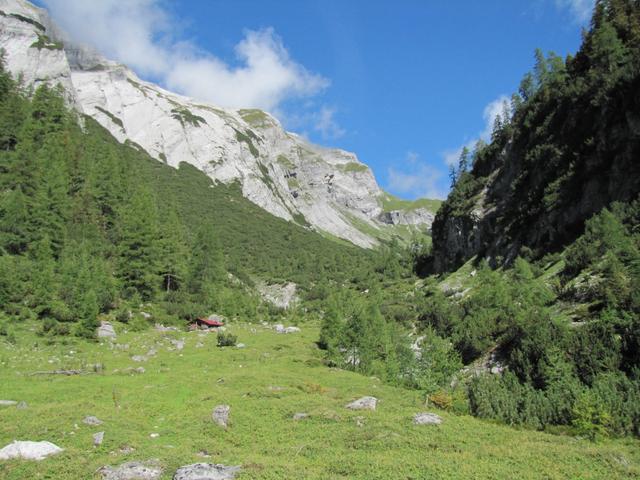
x: 265, y: 383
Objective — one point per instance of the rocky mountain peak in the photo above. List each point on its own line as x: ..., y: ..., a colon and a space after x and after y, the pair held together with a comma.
x: 328, y: 190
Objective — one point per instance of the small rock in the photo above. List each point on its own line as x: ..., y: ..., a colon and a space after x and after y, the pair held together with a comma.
x: 161, y: 328
x: 300, y: 416
x: 220, y: 415
x: 8, y: 403
x: 199, y: 345
x: 179, y: 344
x: 240, y: 345
x: 427, y: 419
x: 359, y: 421
x: 146, y: 315
x: 106, y: 330
x: 139, y: 370
x: 126, y: 449
x: 22, y: 405
x: 132, y: 471
x: 206, y: 471
x: 152, y: 353
x: 139, y: 358
x: 154, y: 435
x: 29, y: 450
x: 364, y: 403
x: 98, y: 438
x: 279, y: 328
x: 91, y: 420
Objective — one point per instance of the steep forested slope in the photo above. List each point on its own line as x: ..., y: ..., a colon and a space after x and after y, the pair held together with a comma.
x: 567, y: 146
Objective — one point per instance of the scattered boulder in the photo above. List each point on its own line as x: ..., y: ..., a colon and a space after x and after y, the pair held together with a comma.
x: 139, y: 370
x: 106, y: 330
x: 220, y: 415
x: 132, y: 471
x: 22, y: 405
x: 146, y: 315
x: 364, y: 403
x: 8, y: 403
x: 300, y: 416
x: 179, y: 344
x: 91, y: 420
x: 98, y: 438
x: 29, y: 450
x: 206, y: 471
x: 139, y: 358
x: 279, y: 328
x: 161, y: 328
x: 427, y: 419
x: 154, y: 435
x: 240, y: 345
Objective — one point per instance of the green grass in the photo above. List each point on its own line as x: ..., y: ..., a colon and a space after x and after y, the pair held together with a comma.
x: 391, y: 203
x: 285, y: 162
x: 254, y: 117
x: 353, y: 167
x: 274, y: 377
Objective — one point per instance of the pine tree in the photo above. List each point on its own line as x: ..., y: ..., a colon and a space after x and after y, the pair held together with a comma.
x: 207, y: 273
x: 174, y: 252
x: 138, y: 242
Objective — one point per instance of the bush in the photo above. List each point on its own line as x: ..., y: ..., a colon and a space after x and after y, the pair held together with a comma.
x: 226, y: 339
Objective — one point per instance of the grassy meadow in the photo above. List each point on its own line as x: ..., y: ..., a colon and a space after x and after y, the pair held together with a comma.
x: 265, y: 383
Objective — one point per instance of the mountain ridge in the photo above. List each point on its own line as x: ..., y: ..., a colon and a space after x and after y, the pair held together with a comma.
x: 324, y: 189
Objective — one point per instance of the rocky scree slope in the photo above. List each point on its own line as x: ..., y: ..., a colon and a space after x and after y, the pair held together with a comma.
x: 324, y: 189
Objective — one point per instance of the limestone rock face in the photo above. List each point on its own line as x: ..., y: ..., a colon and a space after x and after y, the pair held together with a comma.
x: 320, y: 188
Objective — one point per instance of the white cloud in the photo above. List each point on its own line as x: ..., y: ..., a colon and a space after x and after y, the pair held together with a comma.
x: 417, y: 179
x: 493, y: 109
x: 326, y: 124
x: 140, y: 34
x: 580, y: 9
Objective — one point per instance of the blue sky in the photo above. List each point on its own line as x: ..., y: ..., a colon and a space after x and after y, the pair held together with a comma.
x: 404, y: 84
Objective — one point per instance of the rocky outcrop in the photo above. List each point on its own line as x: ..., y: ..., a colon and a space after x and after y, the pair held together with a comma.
x: 28, y: 450
x: 364, y: 403
x: 320, y: 188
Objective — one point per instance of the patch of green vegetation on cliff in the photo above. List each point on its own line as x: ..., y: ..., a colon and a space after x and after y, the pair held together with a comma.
x: 353, y: 167
x: 392, y: 203
x: 185, y: 116
x: 246, y: 138
x: 111, y: 116
x: 254, y: 117
x: 45, y: 42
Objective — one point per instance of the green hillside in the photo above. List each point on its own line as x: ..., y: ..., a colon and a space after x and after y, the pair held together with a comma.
x: 265, y: 384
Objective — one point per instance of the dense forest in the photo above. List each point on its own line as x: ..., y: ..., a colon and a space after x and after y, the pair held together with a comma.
x: 547, y: 215
x: 539, y: 326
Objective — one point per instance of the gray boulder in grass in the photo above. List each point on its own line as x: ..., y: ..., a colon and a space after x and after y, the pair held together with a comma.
x: 106, y: 330
x: 132, y: 471
x: 29, y: 450
x: 220, y: 415
x: 364, y: 403
x: 427, y: 419
x: 206, y: 471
